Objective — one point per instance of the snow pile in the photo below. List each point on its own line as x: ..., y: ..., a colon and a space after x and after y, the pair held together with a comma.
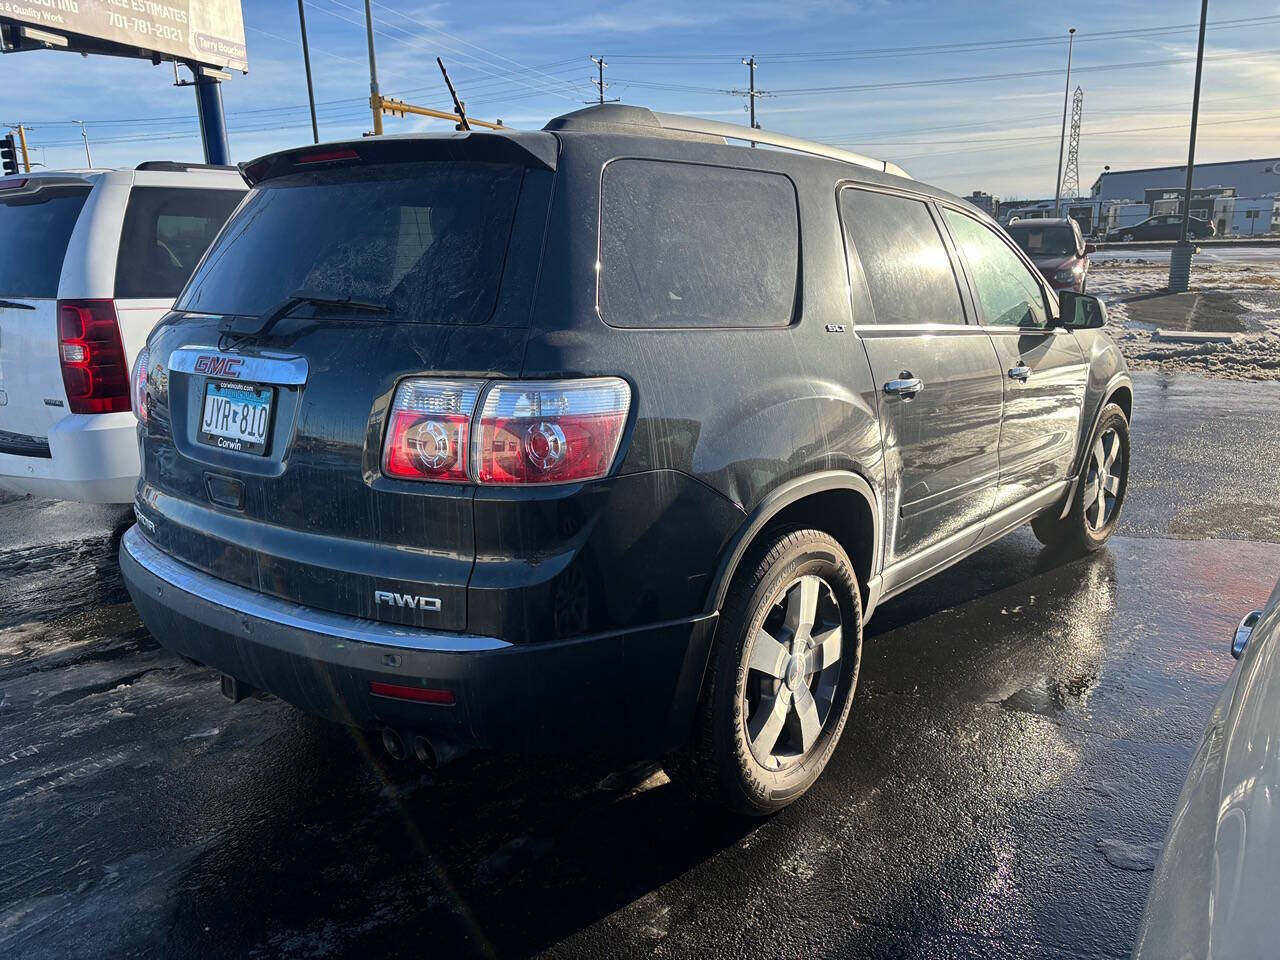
x: 1239, y: 297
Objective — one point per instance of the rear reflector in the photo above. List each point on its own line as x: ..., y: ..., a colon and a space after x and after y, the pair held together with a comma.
x: 94, y: 369
x: 398, y: 691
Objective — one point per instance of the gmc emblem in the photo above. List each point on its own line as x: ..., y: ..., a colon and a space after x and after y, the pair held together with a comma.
x: 219, y: 366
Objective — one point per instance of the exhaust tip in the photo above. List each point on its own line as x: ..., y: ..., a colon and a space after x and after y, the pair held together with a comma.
x: 425, y: 753
x: 392, y: 743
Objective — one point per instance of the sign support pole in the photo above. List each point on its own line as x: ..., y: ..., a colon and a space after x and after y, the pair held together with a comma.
x: 213, y: 121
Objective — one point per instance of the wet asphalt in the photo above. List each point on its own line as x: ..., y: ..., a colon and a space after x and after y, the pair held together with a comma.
x: 1019, y: 737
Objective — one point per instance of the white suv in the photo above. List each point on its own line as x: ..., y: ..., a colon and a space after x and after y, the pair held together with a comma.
x: 91, y: 260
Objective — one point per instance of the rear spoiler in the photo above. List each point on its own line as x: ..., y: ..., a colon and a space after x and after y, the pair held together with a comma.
x: 524, y: 148
x: 12, y: 188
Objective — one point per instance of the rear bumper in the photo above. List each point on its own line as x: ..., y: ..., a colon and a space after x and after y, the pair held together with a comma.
x: 634, y: 690
x: 92, y: 458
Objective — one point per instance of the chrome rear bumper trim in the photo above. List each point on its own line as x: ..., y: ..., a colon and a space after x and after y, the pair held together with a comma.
x: 262, y: 607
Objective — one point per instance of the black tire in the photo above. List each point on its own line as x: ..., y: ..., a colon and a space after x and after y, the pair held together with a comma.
x: 1127, y: 238
x: 719, y: 763
x: 1079, y: 531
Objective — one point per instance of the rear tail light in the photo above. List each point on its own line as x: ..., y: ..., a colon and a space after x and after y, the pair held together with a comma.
x: 519, y: 432
x: 556, y: 431
x: 139, y: 384
x: 94, y: 369
x: 429, y: 431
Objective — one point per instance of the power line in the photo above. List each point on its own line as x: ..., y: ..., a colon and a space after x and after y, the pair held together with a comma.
x: 418, y: 42
x: 957, y: 47
x: 474, y: 46
x: 948, y: 81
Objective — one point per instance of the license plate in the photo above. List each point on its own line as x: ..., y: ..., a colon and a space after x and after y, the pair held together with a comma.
x: 236, y: 416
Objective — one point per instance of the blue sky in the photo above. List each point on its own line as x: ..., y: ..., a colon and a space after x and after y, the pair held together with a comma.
x: 528, y: 62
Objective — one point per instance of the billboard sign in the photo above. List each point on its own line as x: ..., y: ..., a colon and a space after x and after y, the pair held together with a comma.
x: 192, y: 31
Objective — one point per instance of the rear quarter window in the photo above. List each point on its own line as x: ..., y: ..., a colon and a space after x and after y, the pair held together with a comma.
x: 34, y: 232
x: 166, y: 232
x: 690, y: 245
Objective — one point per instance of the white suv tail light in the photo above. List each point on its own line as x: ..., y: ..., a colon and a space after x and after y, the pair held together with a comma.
x: 517, y: 432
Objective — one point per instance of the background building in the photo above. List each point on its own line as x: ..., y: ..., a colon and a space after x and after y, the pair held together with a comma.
x: 984, y: 202
x: 1248, y: 178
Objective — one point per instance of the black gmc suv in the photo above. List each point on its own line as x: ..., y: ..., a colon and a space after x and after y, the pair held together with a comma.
x: 607, y: 435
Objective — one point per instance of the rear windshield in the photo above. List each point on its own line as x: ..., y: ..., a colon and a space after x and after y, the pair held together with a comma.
x: 166, y: 232
x: 427, y: 240
x: 34, y: 231
x: 1044, y: 241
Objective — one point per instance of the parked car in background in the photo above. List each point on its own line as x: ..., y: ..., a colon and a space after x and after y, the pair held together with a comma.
x: 1162, y: 228
x: 1057, y: 249
x: 1214, y: 890
x: 609, y: 435
x: 92, y: 259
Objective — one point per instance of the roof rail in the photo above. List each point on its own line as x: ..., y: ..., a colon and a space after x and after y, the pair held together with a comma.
x: 733, y: 131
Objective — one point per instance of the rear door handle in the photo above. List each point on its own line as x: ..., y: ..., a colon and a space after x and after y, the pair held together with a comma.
x: 904, y: 386
x: 1020, y: 373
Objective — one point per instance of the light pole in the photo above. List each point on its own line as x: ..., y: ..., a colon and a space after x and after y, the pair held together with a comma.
x: 306, y: 63
x: 1180, y: 256
x: 1057, y: 184
x: 84, y: 132
x: 375, y: 96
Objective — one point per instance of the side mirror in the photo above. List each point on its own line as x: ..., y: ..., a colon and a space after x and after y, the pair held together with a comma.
x: 1243, y: 633
x: 1092, y: 248
x: 1079, y: 311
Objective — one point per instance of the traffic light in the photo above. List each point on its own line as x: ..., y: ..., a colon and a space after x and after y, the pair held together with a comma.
x: 8, y: 155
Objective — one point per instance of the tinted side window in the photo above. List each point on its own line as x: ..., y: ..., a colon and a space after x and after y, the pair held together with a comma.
x: 1010, y: 296
x: 687, y: 245
x: 34, y: 232
x: 904, y: 260
x: 166, y: 232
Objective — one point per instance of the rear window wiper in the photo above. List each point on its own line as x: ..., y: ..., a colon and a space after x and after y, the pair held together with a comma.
x: 15, y: 305
x: 263, y: 324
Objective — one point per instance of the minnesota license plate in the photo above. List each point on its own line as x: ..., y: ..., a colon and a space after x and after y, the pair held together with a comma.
x: 236, y: 416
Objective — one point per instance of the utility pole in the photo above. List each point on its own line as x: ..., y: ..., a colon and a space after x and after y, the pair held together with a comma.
x: 1180, y: 256
x: 375, y: 98
x: 599, y: 82
x: 306, y: 63
x: 1057, y: 183
x: 85, y: 133
x: 22, y: 143
x: 752, y: 92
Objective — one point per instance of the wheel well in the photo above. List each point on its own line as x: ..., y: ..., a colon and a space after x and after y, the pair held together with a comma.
x: 845, y: 514
x: 1123, y: 398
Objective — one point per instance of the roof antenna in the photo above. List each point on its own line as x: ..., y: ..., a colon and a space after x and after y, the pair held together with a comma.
x: 457, y: 104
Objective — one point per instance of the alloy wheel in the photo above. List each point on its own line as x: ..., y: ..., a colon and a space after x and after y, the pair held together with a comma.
x: 793, y: 670
x: 1102, y: 484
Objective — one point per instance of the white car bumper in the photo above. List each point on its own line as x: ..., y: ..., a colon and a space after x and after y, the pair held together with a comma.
x: 92, y: 458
